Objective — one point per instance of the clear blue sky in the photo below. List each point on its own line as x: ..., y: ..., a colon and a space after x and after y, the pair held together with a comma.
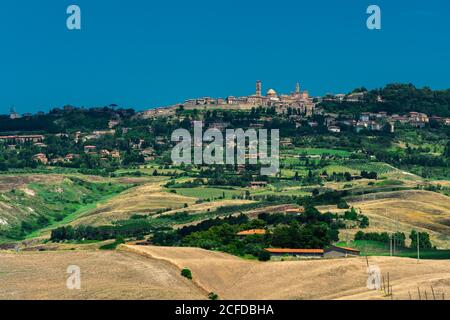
x: 145, y: 53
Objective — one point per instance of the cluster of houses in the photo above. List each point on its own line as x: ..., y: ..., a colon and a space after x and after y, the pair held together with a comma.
x: 92, y: 150
x: 104, y: 154
x: 379, y: 121
x: 38, y: 140
x: 11, y: 141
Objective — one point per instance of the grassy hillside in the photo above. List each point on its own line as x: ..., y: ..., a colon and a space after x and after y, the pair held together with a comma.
x: 403, y: 211
x: 29, y: 205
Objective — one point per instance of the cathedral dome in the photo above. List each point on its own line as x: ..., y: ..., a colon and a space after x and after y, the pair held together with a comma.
x: 271, y: 93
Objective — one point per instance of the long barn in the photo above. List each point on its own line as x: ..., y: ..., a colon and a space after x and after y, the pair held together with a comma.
x: 340, y: 252
x: 299, y: 253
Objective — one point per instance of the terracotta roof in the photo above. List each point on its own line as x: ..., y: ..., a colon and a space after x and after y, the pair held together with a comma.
x: 274, y: 250
x: 251, y: 232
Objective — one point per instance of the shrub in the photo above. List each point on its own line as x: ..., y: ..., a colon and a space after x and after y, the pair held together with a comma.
x: 186, y: 273
x: 213, y: 296
x: 263, y: 255
x: 364, y: 222
x: 350, y: 215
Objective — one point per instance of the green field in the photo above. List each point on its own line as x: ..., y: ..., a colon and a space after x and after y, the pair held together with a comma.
x: 318, y: 151
x: 339, y: 169
x: 208, y: 193
x: 378, y: 167
x: 374, y: 248
x: 384, y: 183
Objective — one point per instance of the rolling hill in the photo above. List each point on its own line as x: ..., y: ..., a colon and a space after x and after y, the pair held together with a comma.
x: 236, y: 278
x: 104, y: 275
x: 403, y: 211
x: 138, y: 272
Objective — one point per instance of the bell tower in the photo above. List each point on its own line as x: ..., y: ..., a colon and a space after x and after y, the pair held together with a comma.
x: 297, y: 88
x: 258, y: 88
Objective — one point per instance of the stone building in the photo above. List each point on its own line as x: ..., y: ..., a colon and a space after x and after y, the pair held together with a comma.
x: 296, y: 100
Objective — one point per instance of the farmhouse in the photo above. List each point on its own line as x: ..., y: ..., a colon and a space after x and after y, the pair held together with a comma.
x: 88, y: 149
x: 22, y: 139
x: 334, y: 129
x: 299, y: 253
x: 70, y: 157
x: 340, y: 252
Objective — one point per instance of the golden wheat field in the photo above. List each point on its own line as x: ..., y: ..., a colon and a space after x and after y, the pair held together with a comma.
x: 146, y: 272
x: 403, y: 211
x: 144, y: 199
x: 235, y: 278
x: 104, y: 275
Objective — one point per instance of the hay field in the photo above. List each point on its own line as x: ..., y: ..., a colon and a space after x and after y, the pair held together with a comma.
x: 141, y: 272
x: 234, y: 278
x: 144, y: 199
x: 148, y: 199
x: 104, y: 275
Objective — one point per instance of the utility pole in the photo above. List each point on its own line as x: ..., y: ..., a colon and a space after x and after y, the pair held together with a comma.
x: 390, y: 245
x: 393, y: 243
x: 395, y: 234
x: 418, y: 250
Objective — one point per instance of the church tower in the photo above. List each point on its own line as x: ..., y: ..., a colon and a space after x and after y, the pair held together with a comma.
x: 297, y: 88
x: 258, y: 88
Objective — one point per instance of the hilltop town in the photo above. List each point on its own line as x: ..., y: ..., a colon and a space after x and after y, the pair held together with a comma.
x: 298, y: 107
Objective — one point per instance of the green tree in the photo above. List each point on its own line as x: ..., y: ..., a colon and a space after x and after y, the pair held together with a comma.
x: 364, y: 221
x: 263, y: 255
x: 213, y: 296
x: 186, y: 273
x: 424, y: 240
